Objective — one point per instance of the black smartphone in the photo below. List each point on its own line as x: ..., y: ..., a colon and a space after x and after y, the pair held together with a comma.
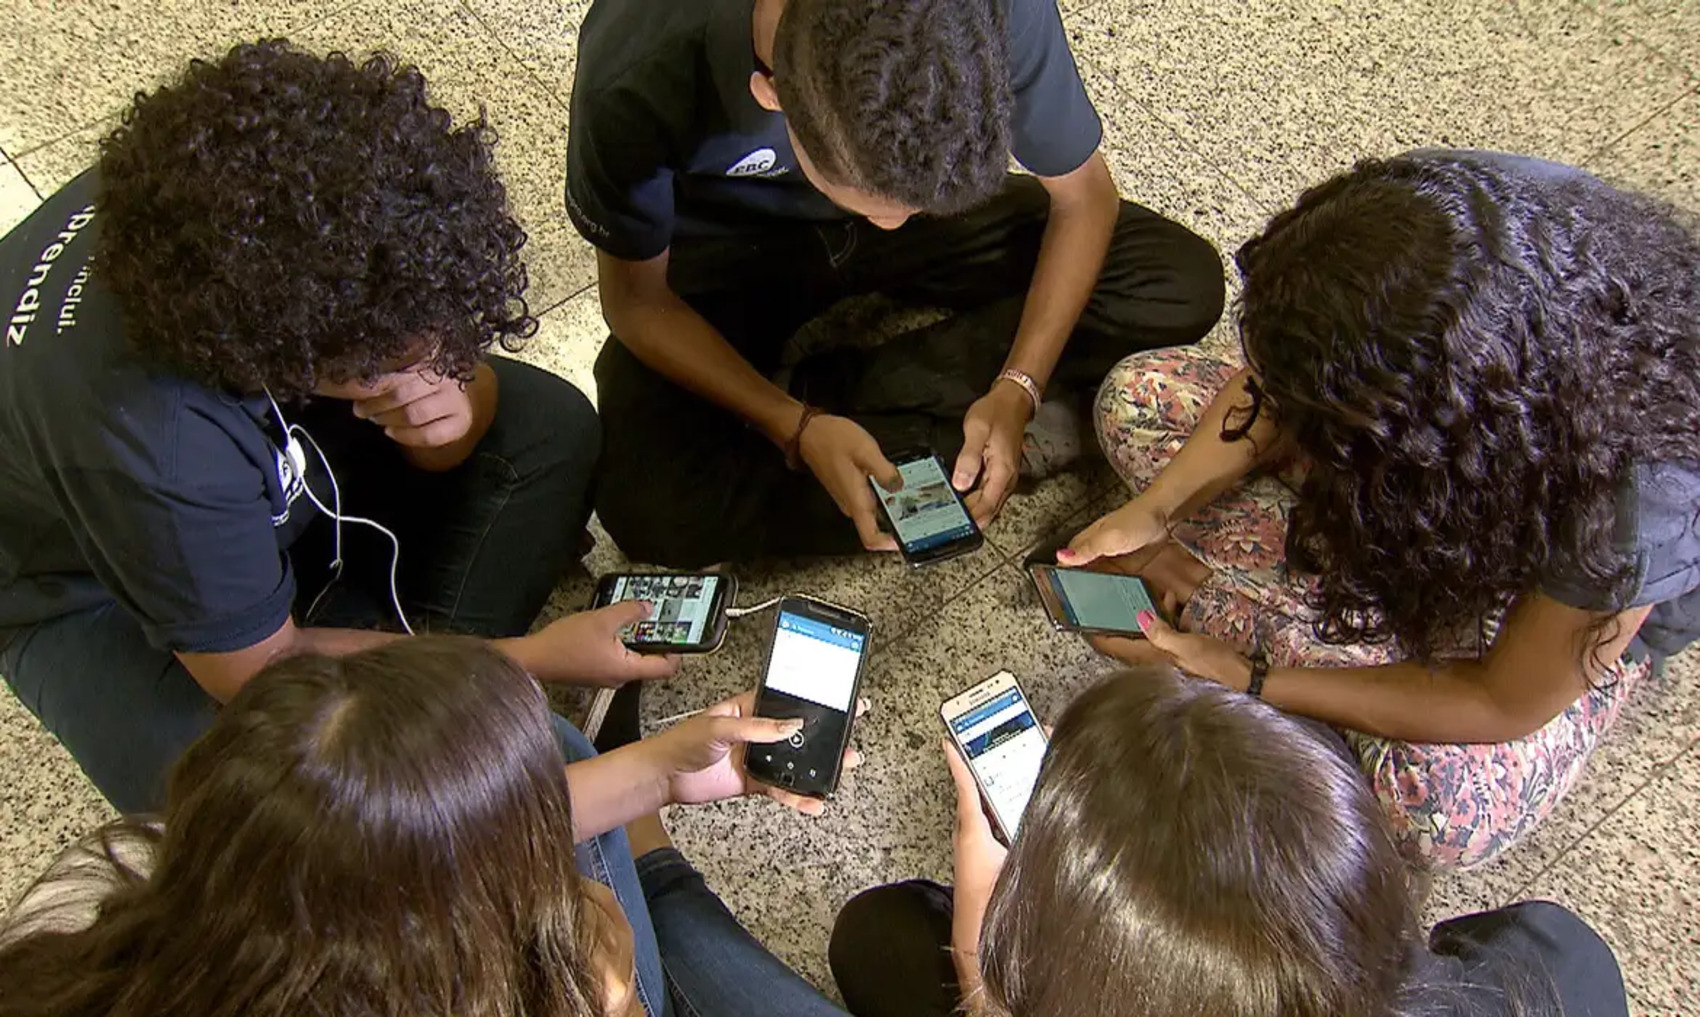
x: 689, y: 613
x: 927, y: 516
x: 1081, y: 600
x: 814, y: 671
x: 994, y: 728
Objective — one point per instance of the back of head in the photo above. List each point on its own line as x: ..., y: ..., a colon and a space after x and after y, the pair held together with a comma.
x: 1192, y: 851
x: 382, y: 834
x: 906, y: 99
x: 277, y: 219
x: 1471, y: 352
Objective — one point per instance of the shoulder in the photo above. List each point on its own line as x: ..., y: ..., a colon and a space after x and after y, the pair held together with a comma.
x: 639, y: 43
x: 1537, y: 954
x: 1662, y: 502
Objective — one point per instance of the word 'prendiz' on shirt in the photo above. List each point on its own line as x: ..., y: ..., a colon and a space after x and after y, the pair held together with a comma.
x: 28, y: 308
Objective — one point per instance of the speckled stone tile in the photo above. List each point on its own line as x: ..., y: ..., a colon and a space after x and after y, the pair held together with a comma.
x: 1660, y: 722
x: 45, y: 801
x: 569, y: 336
x: 470, y: 70
x: 892, y: 818
x: 1660, y: 157
x: 1670, y: 26
x: 69, y: 62
x: 1280, y: 95
x: 1633, y: 880
x: 17, y: 198
x: 543, y: 34
x: 1065, y: 503
x: 1156, y: 166
x: 52, y: 166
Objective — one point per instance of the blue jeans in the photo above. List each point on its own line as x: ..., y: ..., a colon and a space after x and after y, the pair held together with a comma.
x: 482, y: 547
x: 693, y: 958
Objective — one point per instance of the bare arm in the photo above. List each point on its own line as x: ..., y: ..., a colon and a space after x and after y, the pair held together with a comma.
x: 1531, y: 674
x: 667, y: 335
x: 1207, y: 464
x: 1084, y: 206
x: 222, y: 675
x: 1204, y: 467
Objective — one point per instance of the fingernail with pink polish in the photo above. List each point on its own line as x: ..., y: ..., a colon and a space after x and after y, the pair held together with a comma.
x: 1145, y: 619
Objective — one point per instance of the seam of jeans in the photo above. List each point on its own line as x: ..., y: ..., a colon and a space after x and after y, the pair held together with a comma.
x: 599, y: 865
x: 478, y: 548
x: 688, y: 1008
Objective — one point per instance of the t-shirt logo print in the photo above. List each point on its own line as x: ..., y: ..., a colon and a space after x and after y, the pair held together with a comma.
x: 754, y: 164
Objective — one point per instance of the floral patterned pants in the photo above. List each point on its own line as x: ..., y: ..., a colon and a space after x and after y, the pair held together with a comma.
x: 1451, y: 806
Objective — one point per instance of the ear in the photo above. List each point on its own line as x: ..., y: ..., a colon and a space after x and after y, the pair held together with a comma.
x: 761, y: 86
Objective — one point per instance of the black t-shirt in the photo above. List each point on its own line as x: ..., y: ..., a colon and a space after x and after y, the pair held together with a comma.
x: 666, y: 139
x: 1530, y: 958
x: 123, y: 482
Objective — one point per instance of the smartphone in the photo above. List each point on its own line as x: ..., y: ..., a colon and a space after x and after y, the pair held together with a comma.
x: 814, y: 671
x: 1081, y: 600
x: 689, y: 613
x: 927, y: 516
x: 995, y: 729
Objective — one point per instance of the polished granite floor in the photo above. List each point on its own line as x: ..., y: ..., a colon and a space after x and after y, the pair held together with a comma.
x: 1216, y: 112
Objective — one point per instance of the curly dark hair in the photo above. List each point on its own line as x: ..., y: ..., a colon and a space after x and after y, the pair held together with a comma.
x: 1473, y: 359
x: 906, y: 99
x: 276, y: 219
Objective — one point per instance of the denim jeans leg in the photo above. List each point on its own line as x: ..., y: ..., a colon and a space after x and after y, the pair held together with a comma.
x: 607, y: 858
x: 123, y: 709
x: 715, y: 968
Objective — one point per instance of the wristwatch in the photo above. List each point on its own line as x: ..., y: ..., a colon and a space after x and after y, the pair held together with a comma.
x: 1259, y: 671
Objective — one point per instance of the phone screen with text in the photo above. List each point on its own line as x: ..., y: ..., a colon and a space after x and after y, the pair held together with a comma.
x: 1097, y: 600
x: 1005, y: 746
x: 811, y: 674
x: 926, y: 513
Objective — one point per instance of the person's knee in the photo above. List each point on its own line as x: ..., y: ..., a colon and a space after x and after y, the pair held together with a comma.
x: 1183, y: 300
x: 544, y: 418
x: 654, y: 518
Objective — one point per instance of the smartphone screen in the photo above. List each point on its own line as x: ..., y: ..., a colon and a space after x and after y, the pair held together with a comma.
x: 1095, y: 601
x: 926, y: 515
x: 686, y: 608
x: 813, y: 672
x: 1000, y: 737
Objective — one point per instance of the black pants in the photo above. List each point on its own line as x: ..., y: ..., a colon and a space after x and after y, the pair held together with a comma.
x: 890, y: 956
x: 686, y: 483
x: 482, y: 546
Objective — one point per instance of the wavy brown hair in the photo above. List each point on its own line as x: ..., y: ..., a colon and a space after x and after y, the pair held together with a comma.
x: 380, y: 835
x: 275, y: 219
x: 1473, y: 359
x: 1191, y: 850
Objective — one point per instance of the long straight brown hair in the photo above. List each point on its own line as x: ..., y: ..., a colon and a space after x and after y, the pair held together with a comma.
x: 379, y: 835
x: 1191, y: 851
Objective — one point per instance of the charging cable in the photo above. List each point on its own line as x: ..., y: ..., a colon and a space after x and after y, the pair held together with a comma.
x: 296, y: 433
x: 741, y: 612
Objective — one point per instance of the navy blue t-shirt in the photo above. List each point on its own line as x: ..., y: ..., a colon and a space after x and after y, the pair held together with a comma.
x: 124, y: 482
x: 667, y: 140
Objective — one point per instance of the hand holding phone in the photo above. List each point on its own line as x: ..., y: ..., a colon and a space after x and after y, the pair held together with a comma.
x: 687, y: 610
x: 704, y: 755
x: 814, y: 673
x: 927, y: 514
x: 1096, y: 603
x: 994, y: 728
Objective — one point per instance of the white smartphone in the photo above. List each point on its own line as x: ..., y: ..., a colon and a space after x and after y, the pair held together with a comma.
x: 995, y: 729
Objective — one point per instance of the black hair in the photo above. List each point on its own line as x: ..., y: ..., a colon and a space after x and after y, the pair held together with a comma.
x: 906, y: 99
x: 1473, y: 360
x: 276, y: 219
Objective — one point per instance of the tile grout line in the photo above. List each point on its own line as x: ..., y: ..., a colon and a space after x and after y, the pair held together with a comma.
x: 496, y: 36
x: 1174, y: 136
x: 1658, y: 774
x: 1690, y: 92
